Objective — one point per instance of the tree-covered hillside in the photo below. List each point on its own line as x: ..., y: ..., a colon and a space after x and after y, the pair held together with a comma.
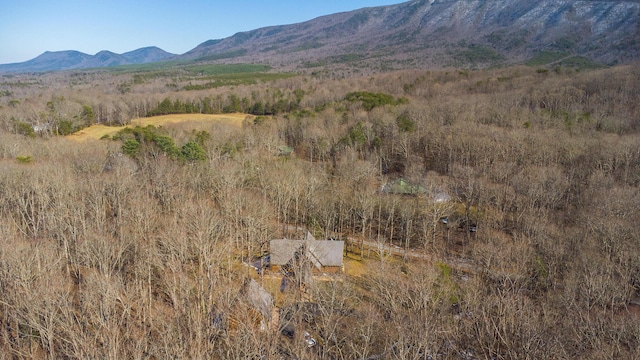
x: 518, y: 240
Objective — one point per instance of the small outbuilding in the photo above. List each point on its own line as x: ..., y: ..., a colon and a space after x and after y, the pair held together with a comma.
x: 284, y: 150
x: 258, y: 302
x: 440, y: 196
x: 403, y: 187
x: 258, y: 298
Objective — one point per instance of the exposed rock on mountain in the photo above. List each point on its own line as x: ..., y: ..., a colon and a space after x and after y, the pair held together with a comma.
x: 465, y: 33
x: 447, y: 32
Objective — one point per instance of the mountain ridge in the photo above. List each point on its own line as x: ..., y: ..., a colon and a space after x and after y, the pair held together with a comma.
x: 515, y: 30
x: 441, y: 33
x: 73, y: 59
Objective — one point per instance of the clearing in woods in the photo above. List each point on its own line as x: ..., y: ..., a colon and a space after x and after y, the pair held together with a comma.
x: 98, y: 131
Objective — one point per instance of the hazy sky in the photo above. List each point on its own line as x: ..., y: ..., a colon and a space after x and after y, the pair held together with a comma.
x: 30, y: 27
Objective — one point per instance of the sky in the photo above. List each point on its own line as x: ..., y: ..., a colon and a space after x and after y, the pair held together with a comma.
x: 30, y: 27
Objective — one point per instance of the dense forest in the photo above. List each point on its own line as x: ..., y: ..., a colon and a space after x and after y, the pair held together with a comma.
x: 135, y: 246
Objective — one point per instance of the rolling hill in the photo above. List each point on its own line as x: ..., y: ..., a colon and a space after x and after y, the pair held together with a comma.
x: 71, y: 59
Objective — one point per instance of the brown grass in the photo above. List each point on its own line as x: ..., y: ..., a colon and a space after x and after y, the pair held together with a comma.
x: 98, y: 131
x: 355, y: 267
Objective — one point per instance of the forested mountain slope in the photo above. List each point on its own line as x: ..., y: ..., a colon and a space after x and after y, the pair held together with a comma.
x: 446, y: 32
x: 440, y: 33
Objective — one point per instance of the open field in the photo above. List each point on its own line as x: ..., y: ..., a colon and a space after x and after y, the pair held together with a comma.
x: 98, y: 131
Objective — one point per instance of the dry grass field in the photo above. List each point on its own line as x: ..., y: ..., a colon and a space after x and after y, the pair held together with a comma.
x: 98, y: 131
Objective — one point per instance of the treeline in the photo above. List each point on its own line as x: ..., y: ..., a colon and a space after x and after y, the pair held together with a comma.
x: 232, y: 104
x: 281, y: 104
x: 150, y: 141
x: 62, y: 106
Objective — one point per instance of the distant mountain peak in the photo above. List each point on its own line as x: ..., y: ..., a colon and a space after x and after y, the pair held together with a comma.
x: 417, y: 33
x: 73, y: 59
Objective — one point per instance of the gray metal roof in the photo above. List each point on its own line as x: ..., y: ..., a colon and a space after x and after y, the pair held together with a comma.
x: 324, y: 252
x: 258, y: 298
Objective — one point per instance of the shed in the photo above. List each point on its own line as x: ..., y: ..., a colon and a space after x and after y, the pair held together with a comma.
x: 284, y: 150
x: 440, y: 196
x: 401, y: 186
x: 258, y: 298
x: 258, y: 302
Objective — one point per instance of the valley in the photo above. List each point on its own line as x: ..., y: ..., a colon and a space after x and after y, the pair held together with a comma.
x: 439, y: 179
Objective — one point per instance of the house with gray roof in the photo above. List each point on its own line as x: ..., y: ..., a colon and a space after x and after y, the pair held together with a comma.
x: 321, y: 256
